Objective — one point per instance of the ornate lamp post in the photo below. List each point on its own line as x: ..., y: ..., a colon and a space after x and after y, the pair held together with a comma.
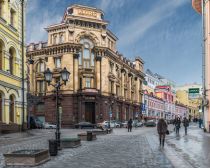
x: 48, y: 78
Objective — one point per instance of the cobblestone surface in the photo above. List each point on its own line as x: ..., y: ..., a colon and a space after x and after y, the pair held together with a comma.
x: 138, y: 149
x: 118, y: 150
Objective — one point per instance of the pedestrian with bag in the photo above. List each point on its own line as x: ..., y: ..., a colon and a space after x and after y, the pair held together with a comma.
x: 162, y: 130
x: 130, y: 122
x: 185, y: 124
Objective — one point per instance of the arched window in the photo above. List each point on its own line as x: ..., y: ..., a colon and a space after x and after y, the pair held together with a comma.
x: 11, y: 60
x: 40, y: 67
x: 1, y: 54
x: 61, y: 38
x: 11, y: 108
x: 87, y: 56
x: 54, y: 39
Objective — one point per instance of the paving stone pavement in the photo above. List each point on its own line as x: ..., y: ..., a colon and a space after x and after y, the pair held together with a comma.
x: 138, y: 149
x: 118, y: 150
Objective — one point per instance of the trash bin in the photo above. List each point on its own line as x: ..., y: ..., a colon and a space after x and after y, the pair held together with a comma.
x: 53, y: 147
x: 89, y: 136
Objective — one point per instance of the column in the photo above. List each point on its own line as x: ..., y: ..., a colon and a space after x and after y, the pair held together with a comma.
x: 76, y: 67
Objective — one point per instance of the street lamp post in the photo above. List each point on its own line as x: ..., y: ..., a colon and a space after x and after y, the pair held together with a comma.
x: 48, y: 78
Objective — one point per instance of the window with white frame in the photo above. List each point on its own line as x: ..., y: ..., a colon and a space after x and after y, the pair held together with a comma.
x: 88, y: 82
x: 57, y: 62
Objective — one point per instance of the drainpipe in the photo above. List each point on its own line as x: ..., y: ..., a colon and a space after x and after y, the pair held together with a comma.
x: 23, y: 85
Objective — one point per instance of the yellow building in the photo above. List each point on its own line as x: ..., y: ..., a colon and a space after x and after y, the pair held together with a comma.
x: 10, y: 64
x: 182, y: 96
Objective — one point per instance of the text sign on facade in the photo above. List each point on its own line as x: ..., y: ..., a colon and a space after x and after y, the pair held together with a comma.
x: 193, y: 93
x: 87, y: 13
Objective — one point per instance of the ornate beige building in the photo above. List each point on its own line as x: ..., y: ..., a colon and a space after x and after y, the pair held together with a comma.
x: 101, y: 79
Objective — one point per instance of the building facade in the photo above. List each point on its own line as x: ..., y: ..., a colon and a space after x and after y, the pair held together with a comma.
x: 102, y: 81
x: 10, y: 64
x: 192, y: 102
x: 203, y: 7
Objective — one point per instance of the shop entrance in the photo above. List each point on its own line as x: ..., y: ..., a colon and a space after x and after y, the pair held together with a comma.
x: 90, y: 112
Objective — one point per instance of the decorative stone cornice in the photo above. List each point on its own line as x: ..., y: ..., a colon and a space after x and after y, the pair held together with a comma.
x: 98, y: 58
x: 76, y: 55
x: 56, y: 49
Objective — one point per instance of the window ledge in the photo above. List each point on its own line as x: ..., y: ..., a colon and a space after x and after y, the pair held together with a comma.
x: 8, y: 74
x: 12, y: 28
x: 2, y: 20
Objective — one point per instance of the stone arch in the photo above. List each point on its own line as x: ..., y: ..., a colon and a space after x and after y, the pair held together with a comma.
x: 89, y: 35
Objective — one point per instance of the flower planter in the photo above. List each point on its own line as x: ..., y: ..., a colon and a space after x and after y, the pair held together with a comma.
x: 70, y: 142
x: 26, y: 157
x: 83, y: 136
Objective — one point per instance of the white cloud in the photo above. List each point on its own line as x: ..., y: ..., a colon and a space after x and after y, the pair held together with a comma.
x: 138, y: 26
x: 39, y: 19
x: 110, y: 4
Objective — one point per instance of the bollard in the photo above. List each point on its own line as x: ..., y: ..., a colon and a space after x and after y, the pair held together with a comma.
x: 89, y: 136
x: 53, y: 147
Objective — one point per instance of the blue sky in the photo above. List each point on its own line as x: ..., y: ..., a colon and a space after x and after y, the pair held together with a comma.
x: 166, y: 34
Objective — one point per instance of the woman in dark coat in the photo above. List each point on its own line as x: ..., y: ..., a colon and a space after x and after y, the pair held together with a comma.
x: 177, y: 125
x: 162, y: 129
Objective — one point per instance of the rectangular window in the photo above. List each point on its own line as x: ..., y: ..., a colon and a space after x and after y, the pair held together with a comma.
x: 12, y: 17
x: 88, y: 82
x: 57, y: 62
x: 40, y: 108
x: 86, y: 53
x: 117, y: 90
x: 42, y: 68
x: 86, y: 63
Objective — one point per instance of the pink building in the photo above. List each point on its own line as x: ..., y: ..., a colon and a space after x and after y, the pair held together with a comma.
x: 203, y: 7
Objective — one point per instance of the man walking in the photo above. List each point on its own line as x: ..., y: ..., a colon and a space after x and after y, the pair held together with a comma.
x: 130, y: 125
x: 185, y: 124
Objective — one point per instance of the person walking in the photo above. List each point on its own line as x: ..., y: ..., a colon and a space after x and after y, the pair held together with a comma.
x: 130, y: 125
x: 185, y: 124
x: 177, y: 125
x: 162, y: 129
